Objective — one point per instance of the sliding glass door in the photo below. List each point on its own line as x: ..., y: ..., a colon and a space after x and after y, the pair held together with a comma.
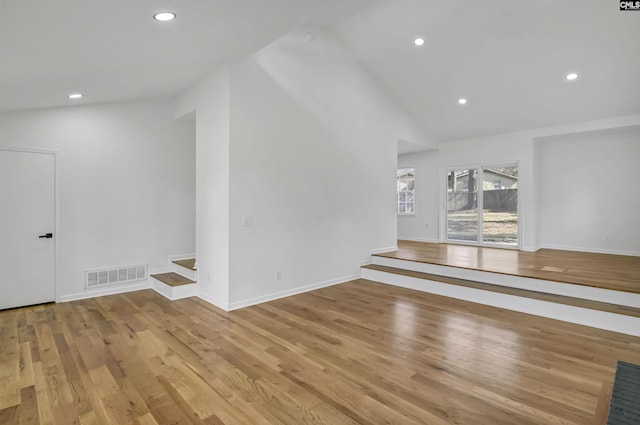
x: 482, y: 205
x: 500, y: 205
x: 462, y: 205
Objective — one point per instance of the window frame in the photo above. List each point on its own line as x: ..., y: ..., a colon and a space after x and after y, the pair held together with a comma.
x: 480, y: 167
x: 399, y: 179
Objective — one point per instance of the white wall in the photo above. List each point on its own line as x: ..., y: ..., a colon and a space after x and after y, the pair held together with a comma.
x: 125, y: 178
x: 499, y: 149
x: 209, y: 98
x: 547, y: 219
x: 424, y: 224
x: 430, y: 166
x: 313, y: 158
x: 589, y: 191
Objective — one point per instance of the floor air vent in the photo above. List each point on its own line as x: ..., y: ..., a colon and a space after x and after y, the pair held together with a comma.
x: 104, y: 277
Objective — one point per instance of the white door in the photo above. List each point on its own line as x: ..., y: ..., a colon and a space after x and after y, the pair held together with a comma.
x: 27, y: 217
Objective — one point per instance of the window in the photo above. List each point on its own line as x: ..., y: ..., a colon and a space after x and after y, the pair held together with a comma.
x: 482, y: 205
x: 406, y: 190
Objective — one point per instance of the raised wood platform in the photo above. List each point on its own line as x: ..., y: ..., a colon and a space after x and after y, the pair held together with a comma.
x: 560, y: 299
x: 597, y: 290
x: 615, y: 272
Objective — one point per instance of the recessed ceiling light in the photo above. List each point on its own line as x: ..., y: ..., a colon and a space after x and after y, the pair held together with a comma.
x: 571, y: 76
x: 75, y: 96
x: 462, y: 101
x: 164, y: 16
x: 419, y: 41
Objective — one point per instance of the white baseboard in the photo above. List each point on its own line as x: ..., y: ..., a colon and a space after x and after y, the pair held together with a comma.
x: 181, y: 257
x: 159, y: 288
x: 594, y: 250
x: 212, y: 300
x: 387, y: 249
x: 283, y: 294
x: 413, y: 239
x: 113, y: 290
x: 530, y: 248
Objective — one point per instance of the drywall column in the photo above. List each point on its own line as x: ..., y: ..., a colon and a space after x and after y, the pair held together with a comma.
x: 210, y: 99
x: 313, y: 160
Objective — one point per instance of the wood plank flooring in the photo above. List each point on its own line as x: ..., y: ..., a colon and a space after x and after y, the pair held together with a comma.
x: 189, y: 263
x: 357, y: 353
x: 602, y: 410
x: 173, y: 279
x: 617, y: 272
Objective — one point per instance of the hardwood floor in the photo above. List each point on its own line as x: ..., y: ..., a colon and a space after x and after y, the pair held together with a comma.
x: 356, y: 353
x: 189, y: 263
x: 617, y: 272
x: 173, y: 279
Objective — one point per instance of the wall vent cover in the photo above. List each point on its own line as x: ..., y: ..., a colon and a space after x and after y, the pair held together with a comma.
x: 113, y: 276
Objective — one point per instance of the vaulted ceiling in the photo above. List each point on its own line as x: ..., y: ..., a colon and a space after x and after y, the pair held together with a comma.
x: 113, y: 50
x: 507, y: 58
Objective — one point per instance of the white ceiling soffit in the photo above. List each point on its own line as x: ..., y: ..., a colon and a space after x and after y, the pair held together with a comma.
x: 508, y: 58
x: 406, y: 147
x: 114, y: 50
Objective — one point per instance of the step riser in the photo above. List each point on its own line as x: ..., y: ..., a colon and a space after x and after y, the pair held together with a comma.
x: 174, y: 292
x: 188, y: 273
x: 538, y: 285
x: 582, y: 316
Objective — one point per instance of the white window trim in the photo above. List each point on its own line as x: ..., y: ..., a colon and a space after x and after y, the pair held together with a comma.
x: 443, y: 234
x: 406, y: 214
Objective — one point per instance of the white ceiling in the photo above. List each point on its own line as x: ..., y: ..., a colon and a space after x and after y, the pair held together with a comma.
x: 113, y: 50
x: 507, y: 57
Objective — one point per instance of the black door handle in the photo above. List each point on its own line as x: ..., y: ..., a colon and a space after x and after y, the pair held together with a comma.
x: 47, y: 236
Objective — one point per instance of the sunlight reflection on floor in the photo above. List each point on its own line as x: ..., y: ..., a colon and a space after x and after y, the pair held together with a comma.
x: 405, y: 318
x: 480, y: 345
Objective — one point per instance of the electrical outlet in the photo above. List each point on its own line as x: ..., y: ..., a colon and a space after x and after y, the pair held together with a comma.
x: 278, y: 274
x: 607, y: 236
x: 247, y: 221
